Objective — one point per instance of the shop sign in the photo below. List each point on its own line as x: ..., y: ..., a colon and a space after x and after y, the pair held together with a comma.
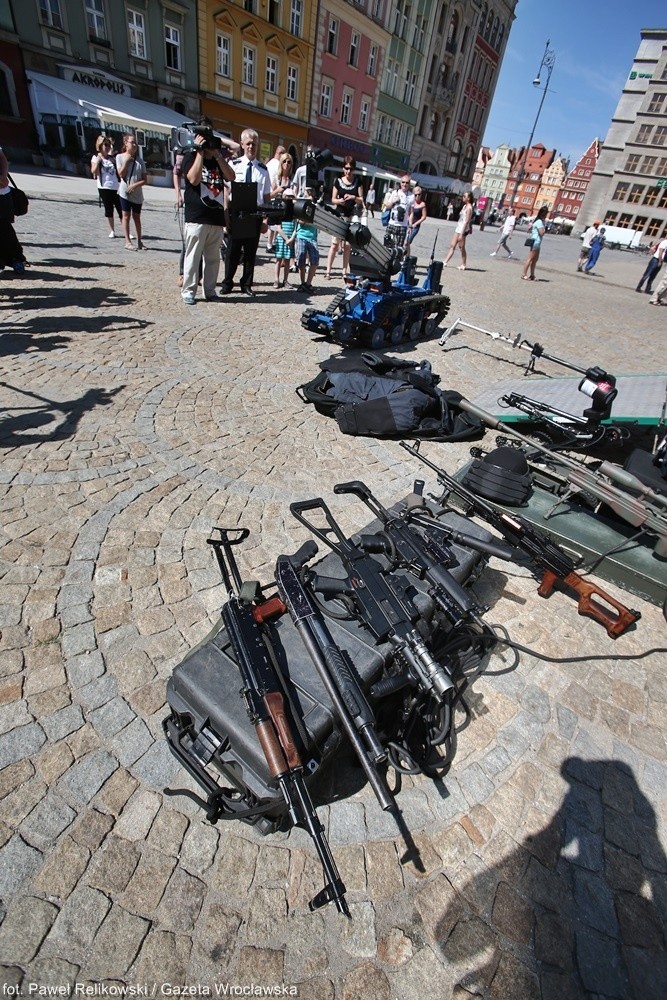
x: 97, y: 80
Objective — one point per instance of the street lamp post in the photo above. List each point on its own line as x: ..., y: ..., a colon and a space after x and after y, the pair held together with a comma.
x: 548, y: 62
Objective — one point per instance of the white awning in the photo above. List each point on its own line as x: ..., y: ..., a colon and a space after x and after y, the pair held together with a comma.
x: 434, y: 183
x: 51, y: 95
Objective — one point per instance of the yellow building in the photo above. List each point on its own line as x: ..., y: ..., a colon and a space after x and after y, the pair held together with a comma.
x: 255, y: 69
x: 552, y: 181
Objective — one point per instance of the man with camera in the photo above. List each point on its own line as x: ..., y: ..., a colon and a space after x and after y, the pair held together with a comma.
x: 204, y: 169
x: 244, y: 239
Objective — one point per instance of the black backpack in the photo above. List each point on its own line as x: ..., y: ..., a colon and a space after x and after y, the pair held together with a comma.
x: 372, y: 395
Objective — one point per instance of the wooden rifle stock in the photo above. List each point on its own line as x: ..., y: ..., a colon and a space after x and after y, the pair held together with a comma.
x: 615, y: 621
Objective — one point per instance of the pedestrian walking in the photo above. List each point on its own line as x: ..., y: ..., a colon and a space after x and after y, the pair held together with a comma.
x: 596, y: 250
x: 534, y: 241
x: 370, y: 201
x: 586, y: 241
x: 655, y: 263
x: 462, y: 231
x: 418, y: 215
x: 505, y: 233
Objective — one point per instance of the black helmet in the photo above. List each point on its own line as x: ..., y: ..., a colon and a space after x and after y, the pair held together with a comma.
x: 502, y: 476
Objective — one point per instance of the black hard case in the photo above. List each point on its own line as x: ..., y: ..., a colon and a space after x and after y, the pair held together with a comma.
x: 204, y: 690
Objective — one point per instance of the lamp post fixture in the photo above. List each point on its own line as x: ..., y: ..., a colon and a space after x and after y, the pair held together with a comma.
x: 548, y: 62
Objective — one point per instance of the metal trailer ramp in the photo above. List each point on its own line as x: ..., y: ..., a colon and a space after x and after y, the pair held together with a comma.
x: 641, y: 398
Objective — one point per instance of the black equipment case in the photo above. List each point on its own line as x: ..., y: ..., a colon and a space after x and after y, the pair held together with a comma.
x: 210, y: 733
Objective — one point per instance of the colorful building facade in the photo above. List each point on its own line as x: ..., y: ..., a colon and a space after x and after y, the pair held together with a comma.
x: 349, y: 57
x: 569, y: 200
x: 525, y: 178
x: 256, y: 69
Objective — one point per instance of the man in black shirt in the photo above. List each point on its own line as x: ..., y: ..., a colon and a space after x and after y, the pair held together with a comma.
x: 205, y: 171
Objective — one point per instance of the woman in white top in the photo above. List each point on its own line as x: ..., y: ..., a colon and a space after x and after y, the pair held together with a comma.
x: 103, y: 169
x: 132, y: 173
x: 463, y: 228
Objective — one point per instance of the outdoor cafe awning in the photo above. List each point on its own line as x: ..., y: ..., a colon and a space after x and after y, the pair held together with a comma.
x: 431, y: 182
x: 54, y: 96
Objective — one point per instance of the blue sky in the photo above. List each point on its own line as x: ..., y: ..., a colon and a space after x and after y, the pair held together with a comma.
x: 595, y: 42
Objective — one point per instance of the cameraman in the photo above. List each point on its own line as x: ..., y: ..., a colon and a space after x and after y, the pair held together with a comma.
x: 247, y: 169
x: 205, y: 169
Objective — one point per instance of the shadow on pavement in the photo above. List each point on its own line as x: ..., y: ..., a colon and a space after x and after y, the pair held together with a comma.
x: 12, y: 343
x: 72, y: 324
x: 577, y: 910
x: 25, y: 297
x: 19, y: 429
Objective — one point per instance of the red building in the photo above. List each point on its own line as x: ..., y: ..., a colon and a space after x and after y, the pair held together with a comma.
x: 575, y: 185
x: 523, y: 183
x: 349, y: 56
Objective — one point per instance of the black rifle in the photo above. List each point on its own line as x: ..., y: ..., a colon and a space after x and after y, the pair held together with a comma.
x: 381, y: 601
x: 425, y: 557
x: 245, y: 621
x: 337, y: 676
x: 551, y: 561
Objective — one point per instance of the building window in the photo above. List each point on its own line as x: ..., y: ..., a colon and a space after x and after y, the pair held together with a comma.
x: 137, y: 29
x: 648, y: 165
x: 653, y: 227
x: 249, y: 5
x: 50, y: 13
x: 635, y: 194
x: 657, y: 101
x: 632, y: 163
x: 364, y: 112
x: 223, y: 55
x: 95, y: 19
x: 624, y: 221
x: 325, y: 101
x: 372, y: 60
x: 332, y: 37
x: 418, y: 33
x: 274, y: 12
x: 248, y: 66
x: 346, y: 108
x: 644, y: 135
x: 292, y: 83
x: 172, y: 47
x: 621, y: 192
x: 651, y: 196
x: 661, y: 169
x: 377, y: 9
x: 296, y: 14
x: 271, y: 74
x: 660, y: 137
x: 401, y: 18
x: 400, y: 135
x: 409, y: 88
x: 354, y: 48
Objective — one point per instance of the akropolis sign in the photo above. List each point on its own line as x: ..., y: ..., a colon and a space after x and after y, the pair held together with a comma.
x: 97, y: 80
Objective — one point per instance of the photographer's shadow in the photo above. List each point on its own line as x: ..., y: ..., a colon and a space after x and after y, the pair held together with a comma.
x: 578, y: 910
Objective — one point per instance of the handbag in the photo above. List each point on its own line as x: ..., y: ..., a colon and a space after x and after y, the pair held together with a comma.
x: 529, y: 242
x: 20, y: 199
x: 385, y: 217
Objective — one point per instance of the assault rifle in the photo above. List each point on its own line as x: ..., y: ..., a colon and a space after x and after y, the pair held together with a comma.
x: 245, y: 619
x: 336, y: 674
x: 426, y: 558
x: 647, y: 510
x: 381, y: 602
x: 551, y: 561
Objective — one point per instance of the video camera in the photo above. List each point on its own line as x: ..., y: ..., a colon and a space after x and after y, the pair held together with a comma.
x: 315, y: 161
x: 183, y: 137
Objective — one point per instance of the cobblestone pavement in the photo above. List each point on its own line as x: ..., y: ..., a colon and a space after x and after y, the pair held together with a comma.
x: 130, y: 425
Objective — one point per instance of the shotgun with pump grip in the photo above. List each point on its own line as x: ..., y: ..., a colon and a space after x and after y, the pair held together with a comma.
x: 553, y: 563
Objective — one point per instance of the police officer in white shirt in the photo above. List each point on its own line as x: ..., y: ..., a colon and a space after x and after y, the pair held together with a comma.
x: 247, y: 168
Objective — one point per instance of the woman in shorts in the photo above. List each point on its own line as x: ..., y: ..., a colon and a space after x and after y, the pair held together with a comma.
x: 103, y: 169
x: 132, y: 173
